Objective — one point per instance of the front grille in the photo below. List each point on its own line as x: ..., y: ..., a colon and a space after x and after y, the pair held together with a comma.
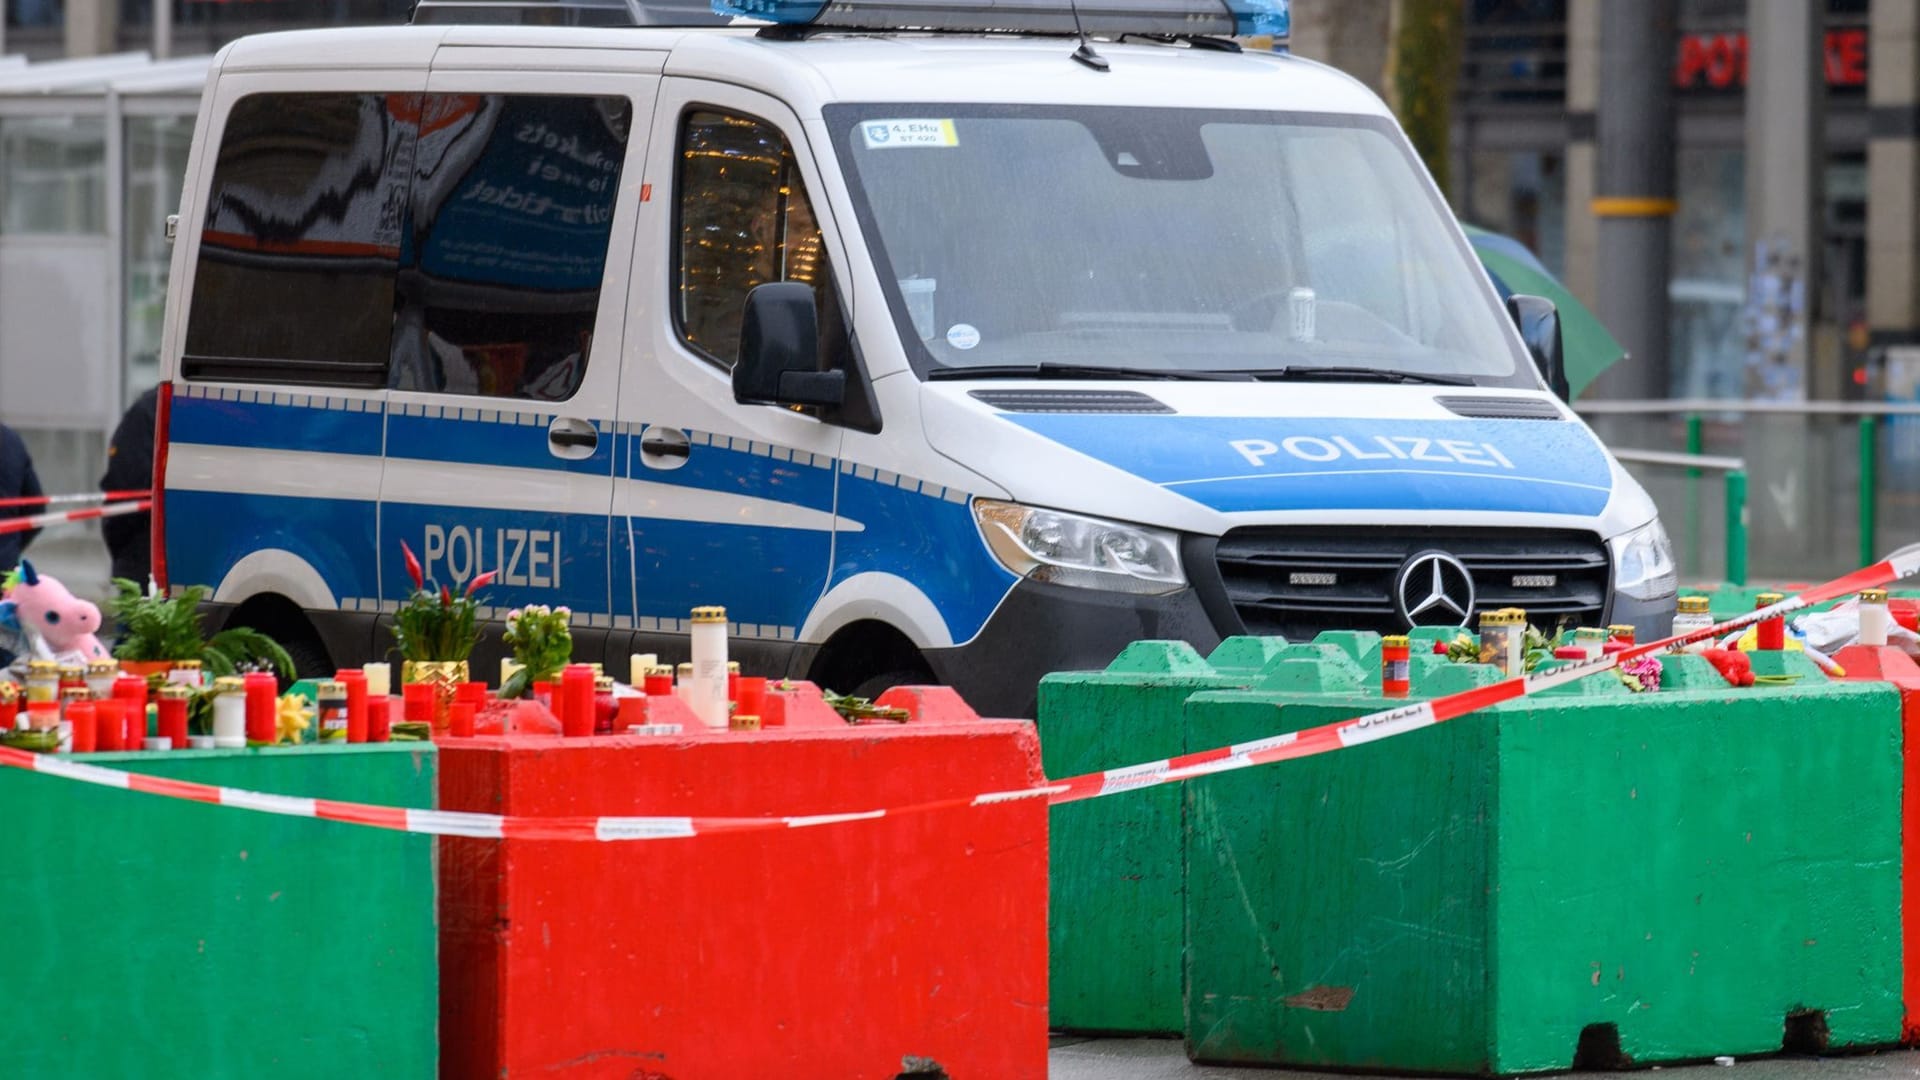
x: 1257, y: 563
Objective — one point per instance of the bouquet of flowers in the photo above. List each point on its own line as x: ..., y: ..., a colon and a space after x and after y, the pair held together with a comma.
x: 541, y: 643
x: 437, y: 625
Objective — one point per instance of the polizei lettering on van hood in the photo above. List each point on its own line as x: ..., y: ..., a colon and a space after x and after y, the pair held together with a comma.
x: 1237, y: 464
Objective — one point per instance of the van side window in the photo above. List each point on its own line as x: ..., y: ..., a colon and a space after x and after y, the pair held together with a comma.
x: 302, y: 233
x: 510, y: 214
x: 452, y: 243
x: 745, y: 220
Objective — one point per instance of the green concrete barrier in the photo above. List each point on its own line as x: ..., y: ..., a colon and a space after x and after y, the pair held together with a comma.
x: 1115, y: 912
x: 1116, y: 921
x: 1581, y: 879
x: 160, y: 938
x: 1727, y: 601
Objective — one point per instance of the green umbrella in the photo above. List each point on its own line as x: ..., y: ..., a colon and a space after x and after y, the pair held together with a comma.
x: 1587, y: 347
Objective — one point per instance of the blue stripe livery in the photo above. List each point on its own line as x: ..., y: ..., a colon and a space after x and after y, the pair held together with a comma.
x: 208, y: 532
x: 1249, y: 464
x: 928, y: 541
x: 259, y: 426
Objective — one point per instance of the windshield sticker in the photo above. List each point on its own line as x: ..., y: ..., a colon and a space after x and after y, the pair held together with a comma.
x: 963, y: 336
x: 893, y: 134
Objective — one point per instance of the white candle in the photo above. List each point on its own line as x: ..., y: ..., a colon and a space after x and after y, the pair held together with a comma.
x: 637, y: 666
x: 508, y: 665
x: 379, y: 679
x: 708, y: 695
x: 1874, y: 618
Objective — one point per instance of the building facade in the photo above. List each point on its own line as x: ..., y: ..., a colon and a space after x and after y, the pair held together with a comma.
x: 1524, y: 159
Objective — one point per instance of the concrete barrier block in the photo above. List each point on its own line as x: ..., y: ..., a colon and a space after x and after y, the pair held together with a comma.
x: 1554, y: 881
x: 1115, y: 916
x: 1681, y: 672
x: 1362, y: 646
x: 156, y: 937
x: 1245, y: 652
x: 844, y: 950
x: 1891, y: 666
x: 1160, y: 658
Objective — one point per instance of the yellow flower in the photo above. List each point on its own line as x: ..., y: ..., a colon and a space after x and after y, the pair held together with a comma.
x: 294, y: 719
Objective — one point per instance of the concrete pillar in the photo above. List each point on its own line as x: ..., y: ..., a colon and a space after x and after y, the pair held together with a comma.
x: 1351, y: 35
x: 1633, y: 191
x: 1893, y: 173
x: 1786, y: 155
x: 1582, y: 275
x: 92, y: 27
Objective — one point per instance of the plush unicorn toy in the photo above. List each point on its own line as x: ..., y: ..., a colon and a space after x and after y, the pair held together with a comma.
x: 58, y: 624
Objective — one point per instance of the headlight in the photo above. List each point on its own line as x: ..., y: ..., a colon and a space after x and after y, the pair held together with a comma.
x: 1088, y: 553
x: 1643, y: 563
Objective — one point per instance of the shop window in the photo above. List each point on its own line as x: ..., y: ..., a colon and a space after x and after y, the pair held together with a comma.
x: 744, y: 220
x: 509, y: 218
x: 53, y: 175
x: 301, y: 239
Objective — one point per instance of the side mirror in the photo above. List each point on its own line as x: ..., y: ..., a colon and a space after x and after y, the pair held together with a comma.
x: 779, y: 361
x: 1539, y: 324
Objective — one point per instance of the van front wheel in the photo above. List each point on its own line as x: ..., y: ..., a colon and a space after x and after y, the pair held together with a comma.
x: 873, y: 687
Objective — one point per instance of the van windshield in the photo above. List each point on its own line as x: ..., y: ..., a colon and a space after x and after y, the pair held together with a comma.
x: 1166, y: 243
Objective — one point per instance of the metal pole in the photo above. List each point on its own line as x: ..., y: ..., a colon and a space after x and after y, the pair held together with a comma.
x: 162, y: 29
x: 1869, y: 486
x: 1737, y: 527
x: 1633, y: 190
x: 1695, y: 444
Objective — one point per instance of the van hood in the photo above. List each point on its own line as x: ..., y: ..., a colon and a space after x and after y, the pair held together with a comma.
x: 1207, y: 456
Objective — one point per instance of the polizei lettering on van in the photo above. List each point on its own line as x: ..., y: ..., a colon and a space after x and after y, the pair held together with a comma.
x: 527, y: 557
x: 1374, y: 448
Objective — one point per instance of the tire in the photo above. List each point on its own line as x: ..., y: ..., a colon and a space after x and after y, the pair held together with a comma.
x: 873, y: 686
x: 310, y: 659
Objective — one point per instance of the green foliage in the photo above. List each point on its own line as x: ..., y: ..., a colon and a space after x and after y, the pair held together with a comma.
x: 436, y: 626
x: 541, y: 643
x: 855, y: 710
x: 169, y: 628
x: 157, y: 627
x: 1423, y: 68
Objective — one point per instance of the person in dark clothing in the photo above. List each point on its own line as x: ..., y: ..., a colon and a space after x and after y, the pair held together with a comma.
x: 130, y: 468
x: 17, y: 480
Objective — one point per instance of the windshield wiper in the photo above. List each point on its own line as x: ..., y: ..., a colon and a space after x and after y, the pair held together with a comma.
x: 1359, y: 374
x: 1050, y: 370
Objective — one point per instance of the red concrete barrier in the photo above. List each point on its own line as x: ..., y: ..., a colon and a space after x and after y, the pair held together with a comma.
x: 860, y: 950
x: 1888, y: 664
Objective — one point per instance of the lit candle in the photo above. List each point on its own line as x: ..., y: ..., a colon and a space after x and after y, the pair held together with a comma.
x: 356, y: 684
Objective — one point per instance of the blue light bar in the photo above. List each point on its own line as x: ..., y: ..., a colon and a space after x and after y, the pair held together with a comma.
x: 1103, y: 18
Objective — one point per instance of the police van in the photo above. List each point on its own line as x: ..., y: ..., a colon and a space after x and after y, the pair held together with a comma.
x: 935, y: 341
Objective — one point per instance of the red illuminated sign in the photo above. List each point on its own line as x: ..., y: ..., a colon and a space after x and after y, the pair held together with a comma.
x: 1719, y: 61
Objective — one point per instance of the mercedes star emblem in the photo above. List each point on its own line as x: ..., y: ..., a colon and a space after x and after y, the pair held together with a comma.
x: 1433, y: 589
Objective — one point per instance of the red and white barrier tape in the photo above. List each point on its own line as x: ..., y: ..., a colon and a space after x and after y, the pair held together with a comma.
x: 1296, y: 744
x: 73, y: 500
x: 59, y: 517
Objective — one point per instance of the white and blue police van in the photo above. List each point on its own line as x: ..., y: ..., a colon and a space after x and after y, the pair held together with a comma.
x: 933, y: 344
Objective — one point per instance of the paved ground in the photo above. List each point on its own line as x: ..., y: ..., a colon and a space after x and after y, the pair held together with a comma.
x: 1165, y: 1059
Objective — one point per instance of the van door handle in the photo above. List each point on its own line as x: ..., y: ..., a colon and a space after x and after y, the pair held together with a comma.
x: 663, y: 447
x: 571, y: 438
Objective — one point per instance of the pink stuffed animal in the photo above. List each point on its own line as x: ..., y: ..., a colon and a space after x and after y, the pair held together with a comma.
x: 42, y: 607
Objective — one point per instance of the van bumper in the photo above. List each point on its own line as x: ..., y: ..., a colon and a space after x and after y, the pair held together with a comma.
x: 1651, y: 619
x: 1042, y: 628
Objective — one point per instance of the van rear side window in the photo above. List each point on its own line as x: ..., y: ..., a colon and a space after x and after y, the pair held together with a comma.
x: 450, y: 243
x: 301, y: 240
